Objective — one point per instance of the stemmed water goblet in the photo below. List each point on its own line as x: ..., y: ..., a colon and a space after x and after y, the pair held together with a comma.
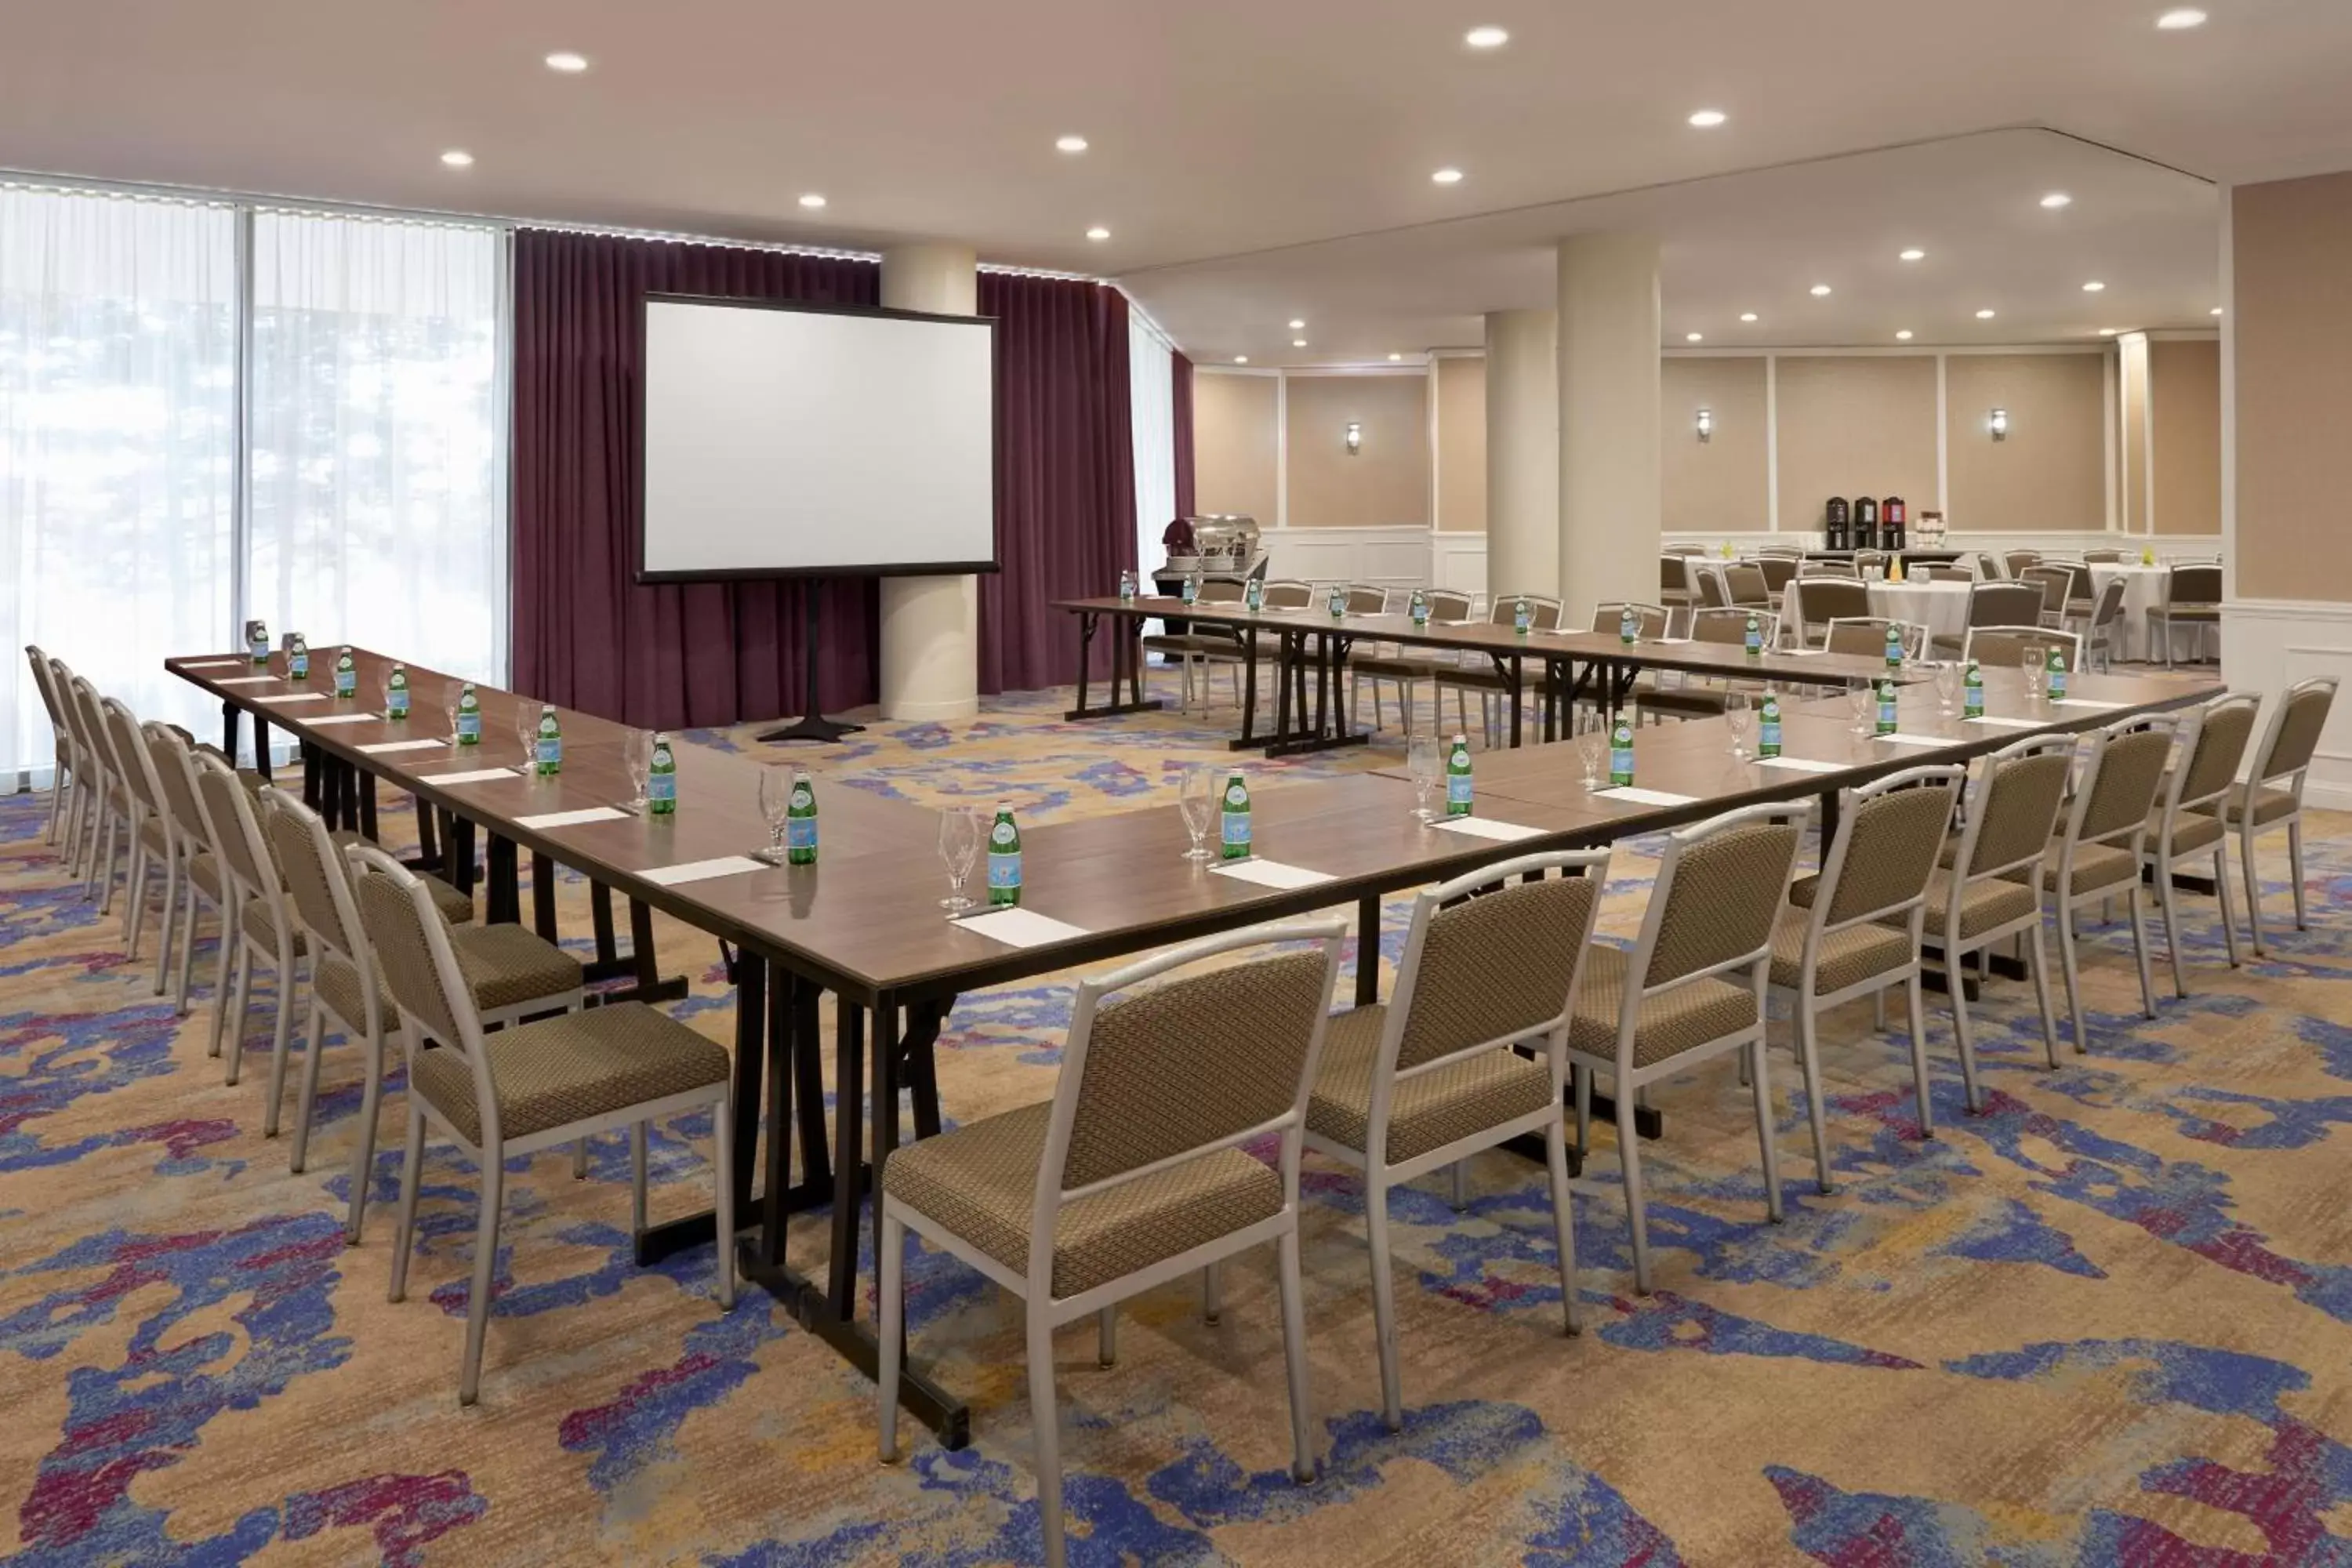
x: 1423, y: 765
x: 1196, y: 798
x: 960, y: 835
x: 1735, y: 718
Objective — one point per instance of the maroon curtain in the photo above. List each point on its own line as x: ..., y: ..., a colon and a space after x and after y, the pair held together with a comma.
x: 1065, y: 471
x: 585, y: 634
x: 1183, y: 403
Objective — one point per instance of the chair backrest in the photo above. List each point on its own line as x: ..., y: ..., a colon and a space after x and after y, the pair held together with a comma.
x: 1543, y: 612
x: 2117, y: 793
x: 1288, y: 593
x: 1831, y: 569
x: 1366, y: 600
x: 44, y: 682
x: 409, y: 942
x: 2294, y: 734
x: 1879, y: 861
x: 1684, y: 549
x: 1780, y: 571
x: 1712, y: 592
x: 2001, y: 647
x: 1222, y: 590
x: 2200, y: 585
x: 1989, y: 567
x: 2109, y: 608
x: 2016, y: 809
x: 130, y: 746
x: 1675, y: 575
x: 246, y: 862
x: 1606, y: 616
x: 176, y: 774
x: 2054, y: 581
x: 1745, y: 579
x: 1866, y: 635
x: 2213, y: 740
x: 1832, y: 599
x: 1728, y: 625
x: 91, y: 738
x: 1719, y: 891
x: 2019, y: 559
x: 1449, y: 606
x: 1240, y: 1040
x: 2005, y: 604
x: 1490, y: 961
x: 2102, y: 556
x: 317, y: 875
x: 1950, y: 574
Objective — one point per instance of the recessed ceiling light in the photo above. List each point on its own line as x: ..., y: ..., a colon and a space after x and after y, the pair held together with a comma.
x: 1297, y: 326
x: 2057, y: 199
x: 2180, y: 20
x: 1097, y: 233
x: 564, y: 60
x: 1915, y: 254
x: 1984, y: 315
x: 2108, y: 331
x: 1694, y: 337
x: 1299, y: 343
x: 1070, y: 144
x: 1821, y: 291
x: 457, y: 158
x: 812, y: 200
x: 1708, y: 119
x: 1241, y: 359
x: 1747, y: 315
x: 1394, y: 359
x: 2216, y: 310
x: 1903, y: 336
x: 2094, y: 287
x: 1447, y: 176
x: 1485, y: 38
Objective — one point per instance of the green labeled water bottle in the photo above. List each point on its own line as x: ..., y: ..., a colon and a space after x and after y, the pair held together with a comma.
x: 1127, y: 588
x: 1753, y: 640
x: 1458, y: 778
x: 1523, y: 616
x: 1894, y: 645
x: 1629, y: 626
x: 1235, y: 843
x: 2057, y: 673
x: 661, y: 779
x: 1254, y: 596
x: 256, y: 642
x: 1768, y: 726
x: 1191, y: 588
x: 1972, y: 692
x: 1621, y: 753
x: 1003, y: 859
x: 470, y: 716
x: 347, y: 675
x: 1338, y: 602
x: 396, y: 693
x: 1420, y: 611
x: 1886, y: 724
x: 800, y: 822
x: 548, y: 751
x: 297, y: 659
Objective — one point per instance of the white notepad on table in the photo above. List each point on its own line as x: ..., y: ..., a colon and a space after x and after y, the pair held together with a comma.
x: 572, y: 818
x: 422, y: 745
x: 2002, y: 723
x: 702, y: 871
x: 1634, y: 796
x: 1900, y: 738
x: 476, y: 775
x: 217, y: 664
x: 1272, y: 874
x: 249, y: 681
x: 295, y: 697
x: 343, y: 719
x: 1802, y: 764
x: 1020, y: 928
x: 2083, y: 702
x: 1488, y: 827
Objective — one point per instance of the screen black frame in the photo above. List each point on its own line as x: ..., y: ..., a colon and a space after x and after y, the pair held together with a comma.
x: 786, y: 574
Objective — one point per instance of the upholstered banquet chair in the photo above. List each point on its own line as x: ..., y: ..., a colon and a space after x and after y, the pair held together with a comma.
x: 2272, y: 798
x: 2097, y: 855
x: 2189, y: 815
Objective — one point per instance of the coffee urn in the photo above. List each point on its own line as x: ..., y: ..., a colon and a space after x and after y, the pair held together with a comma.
x: 1891, y: 515
x: 1865, y: 523
x: 1835, y: 518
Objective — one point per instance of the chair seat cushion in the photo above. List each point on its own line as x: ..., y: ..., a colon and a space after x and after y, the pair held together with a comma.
x: 1988, y: 903
x: 1701, y: 701
x: 1427, y: 1110
x: 1848, y: 957
x: 152, y: 834
x: 1691, y: 1015
x: 507, y: 965
x: 206, y: 872
x: 456, y: 908
x: 980, y: 1182
x: 2097, y: 866
x: 2184, y: 612
x: 1389, y: 666
x: 1200, y: 645
x: 571, y: 1068
x: 2195, y: 830
x: 2270, y: 806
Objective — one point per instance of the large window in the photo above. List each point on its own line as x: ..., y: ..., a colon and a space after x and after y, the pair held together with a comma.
x: 373, y: 405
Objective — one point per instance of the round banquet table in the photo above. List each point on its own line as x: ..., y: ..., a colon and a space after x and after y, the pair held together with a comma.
x: 1941, y: 607
x: 2143, y: 590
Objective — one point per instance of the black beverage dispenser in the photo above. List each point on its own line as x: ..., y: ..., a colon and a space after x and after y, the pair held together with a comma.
x: 1891, y: 517
x: 1835, y: 524
x: 1865, y: 523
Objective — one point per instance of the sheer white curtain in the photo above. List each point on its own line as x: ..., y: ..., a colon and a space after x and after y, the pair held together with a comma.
x: 1152, y: 396
x: 378, y: 497
x: 118, y: 353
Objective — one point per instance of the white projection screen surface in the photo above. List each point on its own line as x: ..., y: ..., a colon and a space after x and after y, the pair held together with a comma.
x: 785, y: 441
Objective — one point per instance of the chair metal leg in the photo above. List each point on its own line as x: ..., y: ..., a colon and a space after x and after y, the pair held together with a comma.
x: 1563, y: 1221
x: 1913, y: 997
x: 2067, y: 967
x: 580, y: 1159
x: 2253, y: 887
x: 485, y: 1264
x: 187, y: 951
x: 1583, y: 1110
x: 57, y: 790
x: 313, y: 1037
x: 1459, y: 1172
x: 2039, y: 957
x: 2295, y: 864
x: 403, y: 1231
x: 1212, y: 1294
x: 1293, y: 1357
x: 1106, y: 1336
x: 1956, y: 982
x: 889, y: 1313
x: 1376, y: 1231
x: 281, y: 1035
x: 2165, y: 901
x: 723, y: 1174
x: 2139, y: 950
x: 135, y: 898
x: 1628, y: 1156
x: 363, y: 1148
x: 172, y: 876
x: 1045, y: 1420
x: 1764, y: 1130
x: 2221, y: 897
x: 638, y: 1176
x: 1809, y: 1063
x: 239, y: 1010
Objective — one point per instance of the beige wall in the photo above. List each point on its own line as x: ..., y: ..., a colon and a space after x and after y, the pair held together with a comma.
x: 2050, y: 474
x: 2291, y: 317
x: 1852, y: 427
x: 1387, y: 483
x: 1236, y: 423
x: 2185, y: 379
x: 1719, y: 485
x: 1462, y: 444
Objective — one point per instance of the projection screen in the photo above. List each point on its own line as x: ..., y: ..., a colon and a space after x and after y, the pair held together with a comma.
x: 806, y: 440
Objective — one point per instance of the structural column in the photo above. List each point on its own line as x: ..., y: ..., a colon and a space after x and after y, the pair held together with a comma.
x: 1610, y: 499
x: 931, y: 625
x: 1522, y: 453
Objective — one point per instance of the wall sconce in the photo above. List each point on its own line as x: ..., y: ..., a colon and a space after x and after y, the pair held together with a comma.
x: 1705, y: 424
x: 1997, y: 422
x: 1354, y: 437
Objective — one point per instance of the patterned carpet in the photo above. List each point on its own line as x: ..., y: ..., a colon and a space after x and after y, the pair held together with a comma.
x: 2109, y: 1322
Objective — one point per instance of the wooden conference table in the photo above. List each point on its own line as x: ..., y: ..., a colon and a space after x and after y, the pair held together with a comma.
x: 864, y: 923
x: 1578, y: 666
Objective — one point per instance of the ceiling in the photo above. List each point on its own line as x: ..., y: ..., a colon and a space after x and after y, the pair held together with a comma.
x: 1219, y: 129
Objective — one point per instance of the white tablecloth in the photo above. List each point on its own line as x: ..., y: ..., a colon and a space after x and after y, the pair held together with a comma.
x: 2143, y: 587
x: 1941, y: 607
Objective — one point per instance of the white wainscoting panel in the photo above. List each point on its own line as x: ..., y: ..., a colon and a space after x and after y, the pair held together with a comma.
x: 2268, y: 645
x: 1378, y: 557
x: 1458, y: 561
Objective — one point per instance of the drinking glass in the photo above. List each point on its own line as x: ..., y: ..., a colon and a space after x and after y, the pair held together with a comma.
x: 449, y: 706
x: 526, y: 723
x: 637, y: 754
x: 2032, y: 663
x: 1196, y: 797
x: 1590, y: 748
x: 1735, y: 718
x: 1948, y: 685
x: 1422, y: 763
x: 1861, y: 698
x: 960, y: 836
x: 775, y: 809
